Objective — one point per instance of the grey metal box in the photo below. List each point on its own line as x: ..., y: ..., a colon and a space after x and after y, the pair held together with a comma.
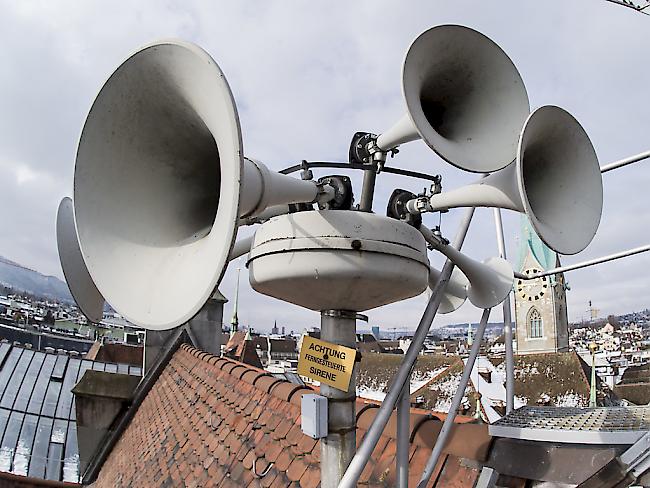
x: 313, y: 416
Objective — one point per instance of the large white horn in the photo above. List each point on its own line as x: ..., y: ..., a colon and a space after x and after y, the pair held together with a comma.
x: 455, y: 292
x: 556, y: 181
x: 160, y: 184
x: 464, y: 98
x: 82, y: 287
x: 490, y: 282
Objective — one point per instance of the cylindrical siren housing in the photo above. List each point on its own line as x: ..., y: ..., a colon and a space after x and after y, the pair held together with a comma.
x: 464, y: 97
x: 556, y: 181
x: 159, y: 184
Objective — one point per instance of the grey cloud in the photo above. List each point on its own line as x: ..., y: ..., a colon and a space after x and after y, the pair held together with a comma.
x: 308, y: 75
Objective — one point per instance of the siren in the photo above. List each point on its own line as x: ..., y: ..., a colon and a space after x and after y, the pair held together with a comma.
x: 556, y: 181
x: 489, y: 282
x: 464, y: 97
x: 455, y: 292
x: 82, y: 287
x: 161, y: 183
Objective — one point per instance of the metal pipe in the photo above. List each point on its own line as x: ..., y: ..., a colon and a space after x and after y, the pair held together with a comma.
x: 403, y: 434
x: 241, y: 247
x: 368, y: 189
x: 441, y: 441
x: 624, y: 162
x: 337, y: 449
x: 507, y: 322
x: 369, y: 442
x: 584, y: 264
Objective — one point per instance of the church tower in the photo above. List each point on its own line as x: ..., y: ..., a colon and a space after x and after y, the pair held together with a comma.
x: 540, y: 305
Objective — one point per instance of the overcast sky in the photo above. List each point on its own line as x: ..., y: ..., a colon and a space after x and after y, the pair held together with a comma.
x: 306, y: 76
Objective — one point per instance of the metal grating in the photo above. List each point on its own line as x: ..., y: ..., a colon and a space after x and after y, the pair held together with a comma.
x: 600, y: 425
x: 37, y: 411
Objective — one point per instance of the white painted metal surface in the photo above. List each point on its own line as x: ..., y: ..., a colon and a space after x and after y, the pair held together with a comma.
x: 490, y: 282
x: 160, y: 184
x: 456, y: 292
x: 82, y: 287
x: 598, y: 425
x: 338, y: 260
x: 464, y: 98
x: 556, y: 181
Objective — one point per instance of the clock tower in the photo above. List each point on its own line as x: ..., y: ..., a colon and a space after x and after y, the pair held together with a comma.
x: 540, y: 305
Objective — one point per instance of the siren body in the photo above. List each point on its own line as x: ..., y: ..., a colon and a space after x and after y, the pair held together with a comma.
x: 82, y: 287
x: 455, y: 292
x: 489, y: 282
x: 161, y: 184
x: 555, y: 180
x: 464, y: 98
x: 338, y: 260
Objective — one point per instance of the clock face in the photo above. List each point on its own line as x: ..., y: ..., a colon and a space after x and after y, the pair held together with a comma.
x: 532, y: 289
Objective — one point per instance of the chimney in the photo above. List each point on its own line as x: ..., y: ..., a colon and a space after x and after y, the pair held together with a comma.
x: 99, y: 397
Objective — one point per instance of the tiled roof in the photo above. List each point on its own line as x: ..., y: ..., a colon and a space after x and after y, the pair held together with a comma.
x: 37, y: 411
x: 210, y: 421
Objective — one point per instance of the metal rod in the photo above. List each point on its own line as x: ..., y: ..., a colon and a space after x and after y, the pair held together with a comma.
x: 367, y: 191
x: 507, y: 322
x: 403, y: 434
x: 584, y: 264
x: 369, y: 442
x: 441, y: 441
x: 363, y: 167
x: 337, y: 449
x: 624, y: 162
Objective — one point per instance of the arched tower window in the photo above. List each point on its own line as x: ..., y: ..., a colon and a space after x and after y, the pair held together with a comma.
x: 534, y: 323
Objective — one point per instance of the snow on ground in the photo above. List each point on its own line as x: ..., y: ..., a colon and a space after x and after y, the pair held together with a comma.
x: 377, y: 391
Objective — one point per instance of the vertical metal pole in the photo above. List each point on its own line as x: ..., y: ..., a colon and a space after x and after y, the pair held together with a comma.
x: 592, y: 387
x: 368, y: 189
x: 403, y: 434
x: 507, y: 322
x: 338, y: 448
x: 371, y: 438
x: 455, y: 403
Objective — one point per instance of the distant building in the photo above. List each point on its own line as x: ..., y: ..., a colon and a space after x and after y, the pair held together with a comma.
x: 540, y: 305
x: 375, y: 331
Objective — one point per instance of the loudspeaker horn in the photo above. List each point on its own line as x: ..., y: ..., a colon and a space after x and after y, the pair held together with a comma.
x: 556, y: 181
x: 82, y: 287
x: 489, y: 282
x: 160, y: 184
x: 455, y: 292
x: 464, y: 98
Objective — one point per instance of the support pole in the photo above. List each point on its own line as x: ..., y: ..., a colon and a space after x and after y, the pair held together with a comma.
x: 368, y: 189
x: 507, y: 322
x: 403, y: 433
x: 585, y: 264
x: 371, y: 438
x: 624, y: 162
x: 441, y: 441
x: 337, y: 449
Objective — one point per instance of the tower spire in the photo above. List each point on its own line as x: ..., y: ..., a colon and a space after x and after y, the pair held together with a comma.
x: 234, y: 322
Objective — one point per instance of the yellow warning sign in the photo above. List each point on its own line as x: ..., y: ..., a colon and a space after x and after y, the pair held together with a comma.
x: 326, y: 362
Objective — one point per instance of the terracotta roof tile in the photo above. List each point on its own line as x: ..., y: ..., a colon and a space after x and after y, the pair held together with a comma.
x: 213, y: 422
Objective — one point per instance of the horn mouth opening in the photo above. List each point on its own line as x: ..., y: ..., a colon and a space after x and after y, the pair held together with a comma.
x: 465, y: 97
x: 559, y: 176
x: 157, y: 184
